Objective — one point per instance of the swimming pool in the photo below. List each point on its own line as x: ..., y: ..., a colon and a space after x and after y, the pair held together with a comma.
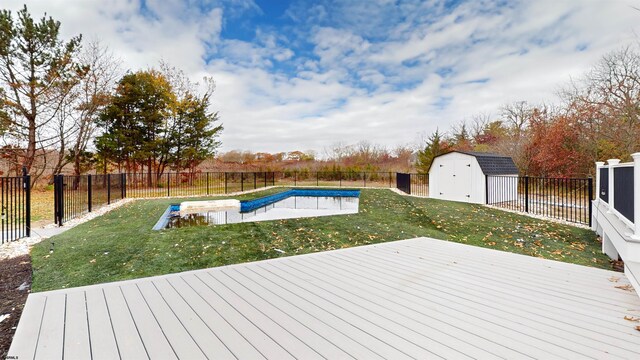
x: 297, y: 203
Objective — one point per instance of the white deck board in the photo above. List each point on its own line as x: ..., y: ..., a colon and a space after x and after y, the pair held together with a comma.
x: 128, y: 338
x: 26, y: 337
x: 101, y: 336
x: 51, y: 340
x: 476, y: 287
x: 76, y: 339
x: 418, y: 298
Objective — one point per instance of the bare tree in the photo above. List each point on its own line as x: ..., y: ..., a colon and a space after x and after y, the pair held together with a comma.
x: 479, y: 124
x: 93, y: 94
x: 607, y: 100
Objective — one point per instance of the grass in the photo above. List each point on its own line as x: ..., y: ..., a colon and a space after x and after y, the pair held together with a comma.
x: 42, y: 206
x: 121, y: 245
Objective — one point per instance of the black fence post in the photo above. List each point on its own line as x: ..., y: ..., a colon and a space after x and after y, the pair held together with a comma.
x: 89, y: 194
x: 390, y: 182
x: 59, y: 199
x: 486, y: 189
x: 241, y: 181
x: 225, y: 182
x: 27, y: 199
x: 589, y: 202
x: 207, y: 183
x: 265, y: 179
x: 123, y: 185
x: 295, y: 178
x: 255, y: 183
x: 340, y: 177
x: 526, y: 194
x: 108, y: 189
x: 168, y: 184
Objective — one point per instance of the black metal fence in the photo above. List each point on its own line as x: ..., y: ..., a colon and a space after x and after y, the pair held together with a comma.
x: 336, y: 178
x: 15, y: 207
x: 403, y: 182
x: 77, y: 195
x: 557, y: 198
x: 414, y: 184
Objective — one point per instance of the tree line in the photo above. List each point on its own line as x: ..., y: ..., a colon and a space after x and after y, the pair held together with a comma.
x: 68, y: 103
x: 598, y: 118
x: 362, y: 156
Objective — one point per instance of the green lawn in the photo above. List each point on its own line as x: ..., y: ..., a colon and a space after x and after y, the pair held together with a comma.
x: 121, y: 245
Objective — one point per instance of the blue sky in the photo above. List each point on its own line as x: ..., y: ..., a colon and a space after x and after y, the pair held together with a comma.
x: 301, y: 74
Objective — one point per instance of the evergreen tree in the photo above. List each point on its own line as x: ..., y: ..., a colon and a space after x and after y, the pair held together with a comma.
x: 194, y: 136
x: 150, y: 124
x: 434, y: 146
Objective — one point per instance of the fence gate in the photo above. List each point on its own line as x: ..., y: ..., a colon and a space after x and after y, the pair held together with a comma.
x: 15, y: 207
x: 567, y: 199
x: 403, y: 182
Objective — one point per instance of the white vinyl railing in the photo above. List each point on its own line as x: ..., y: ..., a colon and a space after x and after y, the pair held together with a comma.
x: 612, y: 165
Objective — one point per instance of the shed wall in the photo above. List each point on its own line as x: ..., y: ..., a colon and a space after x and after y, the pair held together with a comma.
x: 468, y: 184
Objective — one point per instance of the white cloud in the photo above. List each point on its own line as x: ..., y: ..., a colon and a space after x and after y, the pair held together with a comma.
x: 348, y: 71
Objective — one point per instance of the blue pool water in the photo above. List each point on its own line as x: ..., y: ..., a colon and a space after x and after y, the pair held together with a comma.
x: 297, y: 203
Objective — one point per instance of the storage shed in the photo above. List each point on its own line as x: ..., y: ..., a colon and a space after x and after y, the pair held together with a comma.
x: 462, y: 176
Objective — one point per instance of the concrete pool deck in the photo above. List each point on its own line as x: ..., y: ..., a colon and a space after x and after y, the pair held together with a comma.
x: 417, y: 298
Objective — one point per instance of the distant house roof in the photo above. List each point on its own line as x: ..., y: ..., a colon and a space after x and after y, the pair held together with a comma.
x: 491, y: 164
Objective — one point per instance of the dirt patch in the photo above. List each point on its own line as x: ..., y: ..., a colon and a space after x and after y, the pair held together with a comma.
x: 15, y: 284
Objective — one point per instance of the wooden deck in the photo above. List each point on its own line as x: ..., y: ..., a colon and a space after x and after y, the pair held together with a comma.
x: 419, y: 298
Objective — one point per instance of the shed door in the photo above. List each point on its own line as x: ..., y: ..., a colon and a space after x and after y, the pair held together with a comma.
x: 455, y: 180
x: 462, y: 180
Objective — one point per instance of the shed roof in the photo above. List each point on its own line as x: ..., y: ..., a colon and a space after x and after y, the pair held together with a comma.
x: 492, y: 164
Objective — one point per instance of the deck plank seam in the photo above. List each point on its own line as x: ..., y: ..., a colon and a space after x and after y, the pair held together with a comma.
x: 388, y: 319
x: 44, y: 308
x: 179, y: 320
x: 516, y: 270
x: 518, y: 284
x: 199, y: 317
x: 505, y: 318
x: 551, y: 296
x: 113, y: 330
x: 224, y: 318
x: 519, y: 298
x: 413, y: 319
x: 353, y: 325
x: 497, y: 289
x: 304, y: 310
x: 134, y: 322
x: 434, y: 256
x: 64, y: 325
x: 250, y: 321
x: 287, y: 315
x: 86, y: 310
x: 157, y: 322
x: 480, y: 253
x: 455, y: 310
x: 514, y: 264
